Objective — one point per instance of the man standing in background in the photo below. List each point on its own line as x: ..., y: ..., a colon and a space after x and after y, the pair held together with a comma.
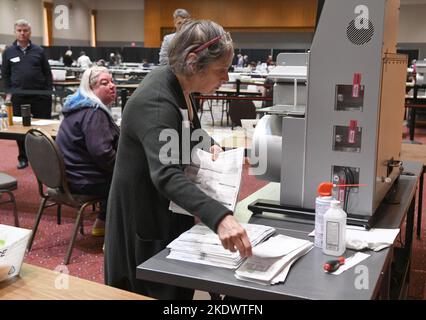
x: 2, y: 47
x: 26, y: 68
x: 179, y: 17
x: 84, y: 61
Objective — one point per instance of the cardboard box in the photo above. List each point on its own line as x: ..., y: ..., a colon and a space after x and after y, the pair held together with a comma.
x: 13, y: 243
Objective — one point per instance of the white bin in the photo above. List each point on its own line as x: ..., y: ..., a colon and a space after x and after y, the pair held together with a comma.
x: 13, y: 242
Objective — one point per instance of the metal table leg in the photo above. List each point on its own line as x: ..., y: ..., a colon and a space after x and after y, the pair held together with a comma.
x: 412, y: 122
x: 420, y: 204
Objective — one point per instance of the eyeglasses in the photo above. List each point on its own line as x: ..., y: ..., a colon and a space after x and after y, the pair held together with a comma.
x: 208, y: 44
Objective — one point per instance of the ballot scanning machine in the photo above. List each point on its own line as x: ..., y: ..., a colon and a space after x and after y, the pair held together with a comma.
x: 337, y: 114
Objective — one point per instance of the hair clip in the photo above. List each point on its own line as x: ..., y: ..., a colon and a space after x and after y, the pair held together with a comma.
x: 207, y: 44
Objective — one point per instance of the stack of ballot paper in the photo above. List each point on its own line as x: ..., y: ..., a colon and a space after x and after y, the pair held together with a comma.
x: 201, y: 245
x: 272, y: 259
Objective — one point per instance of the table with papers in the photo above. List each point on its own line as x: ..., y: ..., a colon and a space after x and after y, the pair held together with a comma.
x: 17, y: 130
x: 306, y: 278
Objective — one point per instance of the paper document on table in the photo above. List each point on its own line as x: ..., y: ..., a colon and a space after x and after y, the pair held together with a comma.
x: 218, y: 179
x: 350, y: 262
x: 277, y: 246
x: 375, y: 239
x: 201, y: 245
x: 44, y: 122
x: 271, y: 270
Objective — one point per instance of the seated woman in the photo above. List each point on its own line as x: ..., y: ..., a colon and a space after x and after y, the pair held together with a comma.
x: 88, y: 138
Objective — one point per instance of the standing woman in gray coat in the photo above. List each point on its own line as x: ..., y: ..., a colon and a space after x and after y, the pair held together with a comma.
x: 149, y: 171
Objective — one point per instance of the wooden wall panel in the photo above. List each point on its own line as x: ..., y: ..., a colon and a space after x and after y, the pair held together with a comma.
x: 48, y: 7
x: 152, y: 23
x: 241, y: 15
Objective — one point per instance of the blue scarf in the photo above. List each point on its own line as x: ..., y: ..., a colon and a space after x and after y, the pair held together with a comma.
x: 77, y: 101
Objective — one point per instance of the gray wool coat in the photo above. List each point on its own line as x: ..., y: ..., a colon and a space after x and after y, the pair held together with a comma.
x: 139, y: 222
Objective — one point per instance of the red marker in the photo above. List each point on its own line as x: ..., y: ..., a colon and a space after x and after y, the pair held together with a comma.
x: 333, y: 265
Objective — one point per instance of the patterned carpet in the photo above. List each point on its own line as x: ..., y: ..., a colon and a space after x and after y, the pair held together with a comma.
x: 51, y: 241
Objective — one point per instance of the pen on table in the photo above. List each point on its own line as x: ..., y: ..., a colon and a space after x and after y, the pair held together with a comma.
x: 333, y: 265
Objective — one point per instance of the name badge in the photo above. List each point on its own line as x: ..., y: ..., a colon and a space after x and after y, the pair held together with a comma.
x: 15, y: 60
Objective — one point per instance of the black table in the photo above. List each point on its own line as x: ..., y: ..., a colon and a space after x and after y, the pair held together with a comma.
x: 306, y: 279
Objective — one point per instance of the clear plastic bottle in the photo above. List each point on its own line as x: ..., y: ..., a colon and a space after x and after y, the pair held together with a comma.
x: 3, y: 116
x: 322, y: 204
x: 334, y: 235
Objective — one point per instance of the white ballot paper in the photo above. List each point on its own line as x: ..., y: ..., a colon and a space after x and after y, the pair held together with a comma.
x: 272, y: 259
x: 218, y: 179
x: 201, y: 245
x: 278, y: 246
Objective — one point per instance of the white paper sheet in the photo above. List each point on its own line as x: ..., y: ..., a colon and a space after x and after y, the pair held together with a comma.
x: 350, y: 262
x: 277, y: 246
x: 270, y: 270
x: 44, y: 122
x: 201, y: 245
x: 375, y: 239
x: 219, y: 179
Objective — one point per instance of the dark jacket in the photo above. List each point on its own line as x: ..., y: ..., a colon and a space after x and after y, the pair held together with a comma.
x: 88, y: 139
x: 139, y: 223
x: 67, y: 60
x: 32, y: 71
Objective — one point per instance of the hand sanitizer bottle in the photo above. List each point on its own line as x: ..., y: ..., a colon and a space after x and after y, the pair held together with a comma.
x: 334, y: 235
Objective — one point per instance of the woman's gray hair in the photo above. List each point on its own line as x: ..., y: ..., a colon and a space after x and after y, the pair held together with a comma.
x: 192, y: 35
x: 88, y: 80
